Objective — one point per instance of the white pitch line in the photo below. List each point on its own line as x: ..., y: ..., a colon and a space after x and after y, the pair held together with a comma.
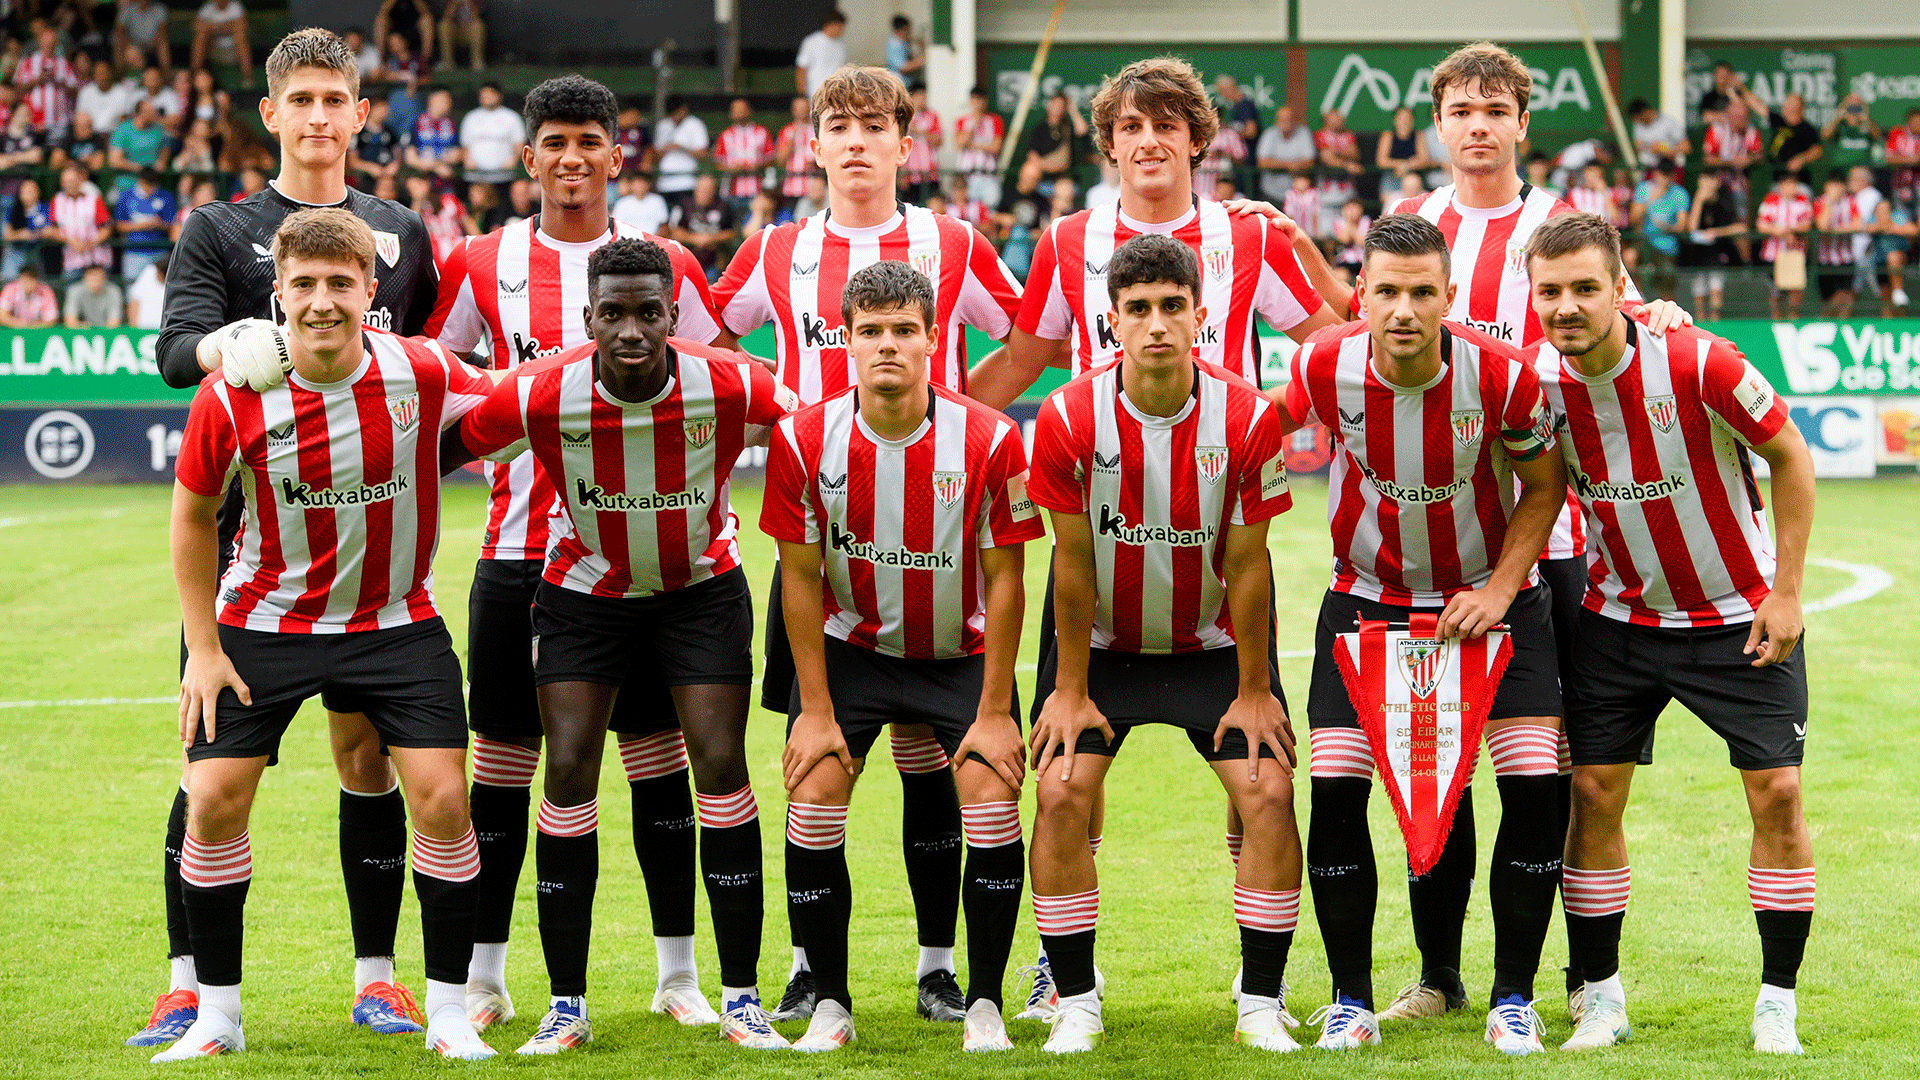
x: 1868, y: 580
x: 71, y: 702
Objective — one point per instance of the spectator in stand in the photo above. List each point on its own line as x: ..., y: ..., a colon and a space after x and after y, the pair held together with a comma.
x: 178, y: 101
x: 1050, y: 143
x: 1660, y: 211
x: 413, y: 21
x: 10, y: 56
x: 207, y: 101
x: 1716, y: 239
x: 978, y: 136
x: 1108, y: 189
x: 1540, y: 174
x: 142, y: 25
x: 105, y: 101
x: 1019, y: 219
x: 523, y: 200
x: 94, y: 302
x: 681, y: 141
x: 1225, y: 192
x: 641, y: 206
x: 200, y: 194
x: 961, y: 204
x: 435, y: 146
x: 1064, y: 200
x: 1731, y: 146
x: 1350, y: 237
x: 448, y: 223
x: 903, y: 57
x: 250, y: 181
x: 147, y: 296
x: 1285, y: 148
x: 920, y: 177
x: 388, y: 188
x: 1659, y: 140
x: 1834, y: 217
x: 1786, y: 216
x: 138, y: 141
x: 220, y: 30
x: 763, y: 211
x: 1792, y: 143
x: 461, y: 23
x: 484, y: 206
x: 1225, y: 155
x: 1573, y: 159
x: 29, y: 225
x: 141, y: 216
x: 402, y: 64
x: 1340, y: 168
x: 27, y: 303
x: 740, y: 152
x: 1400, y: 150
x: 814, y: 201
x: 376, y: 150
x: 634, y: 140
x: 705, y: 224
x: 1875, y: 244
x: 153, y: 90
x: 1714, y: 102
x: 1850, y: 135
x: 366, y: 55
x: 1302, y: 203
x: 794, y: 153
x: 1411, y: 187
x: 236, y: 147
x: 22, y: 147
x: 491, y: 138
x: 822, y: 53
x: 1903, y: 158
x: 936, y: 203
x: 47, y: 80
x: 1243, y: 116
x: 82, y: 222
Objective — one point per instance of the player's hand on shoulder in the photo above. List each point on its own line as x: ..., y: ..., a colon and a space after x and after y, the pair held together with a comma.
x: 1776, y: 629
x: 815, y: 737
x: 1062, y: 719
x: 207, y: 673
x: 1275, y: 217
x: 1660, y: 316
x: 996, y: 737
x: 251, y: 353
x: 1474, y: 612
x: 1263, y: 720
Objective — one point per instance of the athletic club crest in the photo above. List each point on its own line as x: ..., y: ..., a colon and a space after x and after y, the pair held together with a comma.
x: 699, y: 430
x: 1467, y: 426
x: 926, y: 262
x: 1212, y: 461
x: 1422, y: 662
x: 387, y: 246
x: 1660, y: 410
x: 1516, y: 258
x: 1217, y: 260
x: 405, y: 411
x: 949, y: 486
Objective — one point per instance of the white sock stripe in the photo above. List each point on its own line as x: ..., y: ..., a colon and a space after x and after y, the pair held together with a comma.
x: 1234, y: 841
x: 1273, y: 910
x: 208, y: 866
x: 449, y: 860
x: 991, y: 825
x: 1593, y: 893
x: 1339, y: 752
x: 816, y: 828
x: 1566, y: 756
x: 1093, y: 844
x: 500, y: 764
x: 1070, y: 914
x: 1780, y: 890
x: 651, y: 757
x: 917, y: 753
x: 1524, y: 750
x: 569, y: 820
x: 726, y: 811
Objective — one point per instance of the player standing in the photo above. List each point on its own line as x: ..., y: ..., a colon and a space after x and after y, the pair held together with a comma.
x: 902, y: 517
x: 1434, y: 422
x: 793, y: 276
x: 521, y: 289
x: 1687, y: 600
x: 1161, y: 473
x: 222, y: 272
x: 329, y: 592
x: 638, y: 432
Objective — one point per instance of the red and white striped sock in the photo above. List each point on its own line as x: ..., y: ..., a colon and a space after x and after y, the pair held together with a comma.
x: 1234, y: 840
x: 1276, y: 911
x: 449, y: 860
x: 1339, y: 752
x: 1595, y: 893
x: 1566, y: 756
x: 1074, y: 913
x: 815, y: 827
x: 726, y: 811
x: 917, y: 753
x: 503, y: 764
x: 1780, y: 890
x: 651, y: 757
x: 991, y: 825
x: 569, y: 820
x: 1093, y: 844
x: 1524, y: 750
x: 209, y: 866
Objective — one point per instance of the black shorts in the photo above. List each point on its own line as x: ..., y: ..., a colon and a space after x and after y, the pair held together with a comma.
x: 776, y: 679
x: 406, y: 679
x: 1530, y: 686
x: 697, y: 636
x: 1189, y: 690
x: 1566, y: 582
x: 871, y: 690
x: 500, y: 696
x: 1627, y: 674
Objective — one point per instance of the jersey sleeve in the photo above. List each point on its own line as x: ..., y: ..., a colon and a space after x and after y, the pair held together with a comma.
x: 697, y: 320
x: 786, y: 511
x: 467, y: 386
x: 1043, y: 308
x: 741, y: 299
x: 418, y: 246
x: 1526, y: 424
x: 209, y: 446
x: 196, y: 300
x: 1284, y: 296
x: 767, y: 399
x: 1299, y: 401
x: 497, y: 428
x: 989, y: 294
x: 1007, y: 514
x: 1263, y: 493
x: 1739, y: 396
x: 1056, y: 480
x: 456, y: 321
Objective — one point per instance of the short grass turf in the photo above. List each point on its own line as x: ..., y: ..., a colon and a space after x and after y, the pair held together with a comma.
x: 87, y: 611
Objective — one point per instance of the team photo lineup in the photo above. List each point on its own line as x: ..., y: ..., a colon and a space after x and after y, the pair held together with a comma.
x: 1542, y: 505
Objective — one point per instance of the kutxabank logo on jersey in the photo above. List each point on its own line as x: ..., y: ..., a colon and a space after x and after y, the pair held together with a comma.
x: 848, y: 543
x: 596, y: 497
x: 1413, y: 494
x: 309, y: 497
x: 1111, y: 524
x: 1590, y: 489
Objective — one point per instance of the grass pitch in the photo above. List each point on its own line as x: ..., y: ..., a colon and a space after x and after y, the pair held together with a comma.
x: 87, y: 612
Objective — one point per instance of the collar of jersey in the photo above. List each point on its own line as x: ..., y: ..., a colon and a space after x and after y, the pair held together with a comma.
x: 274, y: 186
x: 867, y: 232
x: 540, y: 237
x: 1612, y: 373
x: 893, y: 444
x: 1148, y: 419
x: 1446, y: 365
x: 673, y: 382
x: 1165, y: 228
x: 366, y: 361
x: 1480, y: 213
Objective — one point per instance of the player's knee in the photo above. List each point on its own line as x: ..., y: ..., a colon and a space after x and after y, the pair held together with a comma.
x: 1064, y: 801
x: 716, y: 760
x: 1774, y: 796
x: 1598, y: 793
x: 826, y: 785
x: 573, y: 773
x: 439, y: 806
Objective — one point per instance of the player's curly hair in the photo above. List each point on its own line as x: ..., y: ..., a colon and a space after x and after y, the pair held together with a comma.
x: 571, y: 99
x: 887, y: 286
x: 1151, y: 259
x: 1564, y: 234
x: 1497, y: 70
x: 858, y: 90
x: 1408, y: 235
x: 323, y: 232
x: 628, y: 257
x: 312, y: 47
x: 1163, y: 87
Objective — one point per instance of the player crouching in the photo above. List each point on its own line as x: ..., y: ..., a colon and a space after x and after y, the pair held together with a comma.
x: 901, y: 513
x: 1161, y: 473
x: 327, y: 593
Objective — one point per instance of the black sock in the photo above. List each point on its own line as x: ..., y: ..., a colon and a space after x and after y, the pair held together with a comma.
x: 820, y: 900
x: 1783, y: 942
x: 1438, y: 900
x: 1593, y: 944
x: 663, y: 842
x: 1575, y: 979
x: 373, y: 859
x: 995, y: 876
x: 930, y: 839
x: 1345, y: 883
x: 566, y: 871
x: 1071, y: 957
x: 446, y: 925
x: 216, y: 927
x: 178, y: 941
x: 1263, y: 960
x: 1522, y: 881
x: 730, y: 862
x: 500, y: 830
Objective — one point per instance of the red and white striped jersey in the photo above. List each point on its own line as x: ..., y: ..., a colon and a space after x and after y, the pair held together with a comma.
x: 522, y: 292
x: 743, y: 148
x: 923, y: 160
x: 342, y: 487
x: 1656, y: 451
x: 901, y: 524
x: 1777, y: 212
x: 83, y: 218
x: 50, y: 102
x: 1160, y: 492
x: 796, y: 154
x: 643, y: 484
x: 973, y: 138
x: 1246, y: 270
x: 792, y: 275
x: 1836, y: 246
x: 1422, y: 484
x: 1597, y: 201
x: 1722, y: 142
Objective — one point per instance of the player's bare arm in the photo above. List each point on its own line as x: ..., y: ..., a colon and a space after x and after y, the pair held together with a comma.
x: 1068, y: 710
x: 1543, y: 491
x: 815, y: 735
x: 195, y: 546
x: 1779, y: 622
x: 1255, y: 711
x: 994, y: 734
x: 1006, y: 373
